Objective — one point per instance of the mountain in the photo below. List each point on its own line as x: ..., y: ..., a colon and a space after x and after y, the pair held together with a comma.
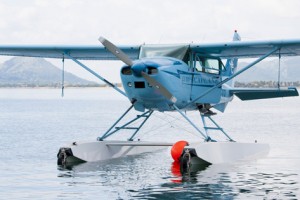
x: 23, y: 71
x: 34, y: 72
x: 268, y: 71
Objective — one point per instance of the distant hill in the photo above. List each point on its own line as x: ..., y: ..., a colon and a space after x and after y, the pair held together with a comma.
x: 36, y: 72
x: 268, y: 71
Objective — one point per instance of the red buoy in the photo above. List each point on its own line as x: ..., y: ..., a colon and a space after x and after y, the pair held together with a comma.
x: 177, y: 149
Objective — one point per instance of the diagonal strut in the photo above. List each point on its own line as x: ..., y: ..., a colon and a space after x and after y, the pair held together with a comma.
x: 95, y: 74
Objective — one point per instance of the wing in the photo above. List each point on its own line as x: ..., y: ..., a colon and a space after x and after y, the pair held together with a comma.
x: 78, y: 52
x: 252, y: 49
x: 224, y: 50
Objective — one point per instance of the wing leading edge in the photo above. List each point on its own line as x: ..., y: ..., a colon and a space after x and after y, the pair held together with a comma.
x: 251, y: 49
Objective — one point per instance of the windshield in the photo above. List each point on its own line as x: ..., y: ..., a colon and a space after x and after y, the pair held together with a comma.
x: 174, y: 51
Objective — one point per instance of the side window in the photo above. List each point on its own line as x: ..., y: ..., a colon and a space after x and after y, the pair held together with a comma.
x: 212, y: 66
x: 207, y: 65
x: 199, y: 64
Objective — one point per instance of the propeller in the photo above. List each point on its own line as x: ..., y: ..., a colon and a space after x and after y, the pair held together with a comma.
x: 159, y: 87
x: 116, y: 51
x: 123, y: 57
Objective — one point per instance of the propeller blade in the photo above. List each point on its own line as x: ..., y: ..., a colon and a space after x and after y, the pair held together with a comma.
x: 160, y: 87
x: 116, y: 51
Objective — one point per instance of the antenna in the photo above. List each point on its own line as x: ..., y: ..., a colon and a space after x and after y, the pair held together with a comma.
x: 63, y: 76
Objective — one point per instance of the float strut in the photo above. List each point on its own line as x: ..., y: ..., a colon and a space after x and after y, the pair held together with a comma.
x: 185, y: 117
x: 106, y: 134
x: 217, y: 128
x: 110, y: 131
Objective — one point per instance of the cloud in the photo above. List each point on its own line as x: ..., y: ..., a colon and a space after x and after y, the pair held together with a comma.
x: 143, y: 21
x: 138, y: 21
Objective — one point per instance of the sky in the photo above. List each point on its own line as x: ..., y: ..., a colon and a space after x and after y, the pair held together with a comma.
x: 127, y: 22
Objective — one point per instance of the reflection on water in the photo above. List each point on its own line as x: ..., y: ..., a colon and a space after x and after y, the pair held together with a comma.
x: 186, y: 175
x: 147, y: 176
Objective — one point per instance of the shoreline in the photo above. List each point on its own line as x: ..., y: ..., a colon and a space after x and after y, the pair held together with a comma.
x: 50, y: 87
x: 105, y: 87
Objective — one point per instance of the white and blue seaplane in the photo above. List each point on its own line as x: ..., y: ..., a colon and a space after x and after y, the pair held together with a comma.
x: 172, y: 78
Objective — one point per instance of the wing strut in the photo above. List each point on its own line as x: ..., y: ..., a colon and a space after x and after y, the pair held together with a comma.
x: 231, y: 77
x: 95, y: 74
x: 279, y: 62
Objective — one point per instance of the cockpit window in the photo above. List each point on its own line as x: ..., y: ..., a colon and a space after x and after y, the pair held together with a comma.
x: 212, y: 66
x: 207, y: 65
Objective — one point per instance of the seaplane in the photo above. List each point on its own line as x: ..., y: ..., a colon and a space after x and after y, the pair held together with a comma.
x: 172, y: 78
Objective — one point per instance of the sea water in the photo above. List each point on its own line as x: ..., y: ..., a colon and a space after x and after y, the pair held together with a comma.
x: 35, y: 123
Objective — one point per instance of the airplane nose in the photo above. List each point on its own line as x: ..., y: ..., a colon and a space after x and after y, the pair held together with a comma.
x: 138, y: 68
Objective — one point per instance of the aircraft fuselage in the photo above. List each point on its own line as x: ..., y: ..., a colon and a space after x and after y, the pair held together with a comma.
x: 184, y: 82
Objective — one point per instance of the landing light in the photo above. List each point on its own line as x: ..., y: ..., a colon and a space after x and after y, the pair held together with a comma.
x: 129, y: 84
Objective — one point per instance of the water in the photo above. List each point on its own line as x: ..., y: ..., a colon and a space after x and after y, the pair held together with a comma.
x: 34, y: 123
